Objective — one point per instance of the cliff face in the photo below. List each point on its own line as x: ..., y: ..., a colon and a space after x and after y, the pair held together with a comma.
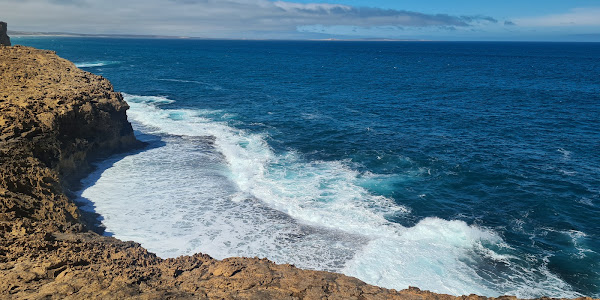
x: 55, y: 118
x: 4, y: 39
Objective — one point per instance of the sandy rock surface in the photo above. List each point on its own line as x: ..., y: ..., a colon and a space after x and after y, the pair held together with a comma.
x: 56, y: 118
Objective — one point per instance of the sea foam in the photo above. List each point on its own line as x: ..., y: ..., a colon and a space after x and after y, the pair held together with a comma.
x: 209, y: 187
x: 92, y: 64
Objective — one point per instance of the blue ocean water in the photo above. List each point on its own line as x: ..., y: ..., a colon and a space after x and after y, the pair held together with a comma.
x: 455, y: 167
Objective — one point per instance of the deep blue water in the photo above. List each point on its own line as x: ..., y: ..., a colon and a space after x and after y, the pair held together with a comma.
x: 456, y: 167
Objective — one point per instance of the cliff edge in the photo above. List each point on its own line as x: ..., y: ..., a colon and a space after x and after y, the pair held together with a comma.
x: 54, y: 120
x: 4, y: 39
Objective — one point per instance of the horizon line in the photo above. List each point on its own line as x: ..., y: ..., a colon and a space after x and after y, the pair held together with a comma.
x: 17, y: 33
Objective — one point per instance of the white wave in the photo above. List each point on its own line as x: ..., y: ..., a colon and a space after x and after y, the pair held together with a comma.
x: 175, y: 200
x: 223, y: 191
x: 93, y: 64
x: 578, y: 239
x: 314, y: 192
x: 586, y: 201
x: 150, y: 100
x: 567, y: 173
x: 454, y: 258
x: 214, y: 87
x: 566, y: 153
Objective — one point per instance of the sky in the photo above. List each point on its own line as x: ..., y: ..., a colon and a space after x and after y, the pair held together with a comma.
x: 463, y: 20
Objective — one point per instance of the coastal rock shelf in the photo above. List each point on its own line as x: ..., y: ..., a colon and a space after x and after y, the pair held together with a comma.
x: 55, y: 119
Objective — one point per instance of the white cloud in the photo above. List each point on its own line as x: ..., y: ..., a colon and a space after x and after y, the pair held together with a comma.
x: 575, y: 17
x: 209, y: 18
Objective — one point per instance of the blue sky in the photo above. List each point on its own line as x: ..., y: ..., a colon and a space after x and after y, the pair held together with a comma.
x: 466, y: 20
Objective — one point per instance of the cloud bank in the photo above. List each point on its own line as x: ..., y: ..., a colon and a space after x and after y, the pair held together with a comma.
x: 212, y: 18
x: 576, y: 17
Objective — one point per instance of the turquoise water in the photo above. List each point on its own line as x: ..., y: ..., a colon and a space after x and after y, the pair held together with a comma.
x: 456, y: 167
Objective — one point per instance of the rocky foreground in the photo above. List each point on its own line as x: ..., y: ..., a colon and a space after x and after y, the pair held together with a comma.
x: 54, y: 120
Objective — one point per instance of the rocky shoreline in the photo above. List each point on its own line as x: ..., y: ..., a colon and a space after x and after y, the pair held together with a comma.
x: 54, y: 120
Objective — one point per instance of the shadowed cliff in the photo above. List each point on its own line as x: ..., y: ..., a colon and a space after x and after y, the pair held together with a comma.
x: 54, y: 120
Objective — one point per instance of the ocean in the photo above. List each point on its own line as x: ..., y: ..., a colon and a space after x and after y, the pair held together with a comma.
x: 457, y: 167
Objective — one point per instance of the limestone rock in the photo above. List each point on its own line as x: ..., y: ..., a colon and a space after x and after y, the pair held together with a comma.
x: 4, y: 39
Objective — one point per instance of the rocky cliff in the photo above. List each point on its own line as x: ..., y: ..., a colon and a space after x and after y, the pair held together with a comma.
x: 55, y: 119
x: 4, y: 39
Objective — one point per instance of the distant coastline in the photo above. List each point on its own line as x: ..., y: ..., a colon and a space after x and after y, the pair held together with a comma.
x: 139, y: 36
x: 20, y: 34
x: 69, y: 34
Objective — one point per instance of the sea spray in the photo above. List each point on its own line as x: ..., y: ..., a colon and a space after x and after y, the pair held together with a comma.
x: 94, y: 64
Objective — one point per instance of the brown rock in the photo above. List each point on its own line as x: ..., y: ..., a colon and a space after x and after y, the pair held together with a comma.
x: 54, y: 119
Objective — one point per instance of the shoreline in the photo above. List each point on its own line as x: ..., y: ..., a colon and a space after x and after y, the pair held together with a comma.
x: 46, y: 249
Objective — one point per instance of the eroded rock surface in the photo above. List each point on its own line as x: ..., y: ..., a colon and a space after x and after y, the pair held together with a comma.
x: 55, y: 118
